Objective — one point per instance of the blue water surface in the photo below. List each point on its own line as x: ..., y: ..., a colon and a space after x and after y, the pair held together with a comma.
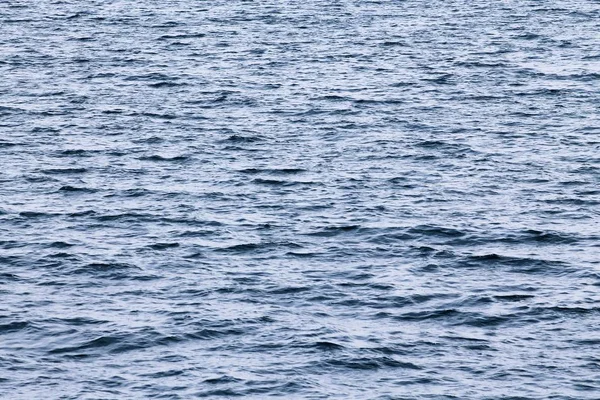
x: 341, y: 199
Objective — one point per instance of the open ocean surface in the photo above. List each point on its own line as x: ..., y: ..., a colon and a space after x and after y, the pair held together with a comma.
x: 312, y: 199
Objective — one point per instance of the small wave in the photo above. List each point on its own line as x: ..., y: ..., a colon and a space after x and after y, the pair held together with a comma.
x: 444, y: 79
x: 158, y: 158
x: 13, y: 326
x: 513, y: 297
x: 542, y: 237
x: 307, y: 254
x: 289, y: 290
x: 111, y: 270
x: 332, y: 98
x: 163, y: 246
x: 518, y: 264
x: 123, y: 216
x: 258, y: 247
x: 528, y: 36
x: 335, y: 230
x: 82, y: 213
x: 222, y: 379
x: 273, y: 171
x: 243, y: 139
x: 379, y: 101
x: 327, y: 346
x: 277, y: 182
x: 182, y: 36
x: 436, y: 231
x: 36, y: 214
x: 138, y: 192
x: 75, y: 189
x: 370, y: 363
x: 60, y: 245
x: 165, y: 116
x: 78, y: 152
x: 210, y: 334
x: 64, y: 171
x: 103, y: 341
x: 164, y: 84
x: 395, y: 43
x: 116, y: 343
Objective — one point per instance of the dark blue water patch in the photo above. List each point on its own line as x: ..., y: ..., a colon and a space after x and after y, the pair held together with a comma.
x: 242, y: 139
x: 284, y: 183
x: 166, y: 84
x: 76, y: 189
x: 82, y: 213
x: 13, y: 326
x: 60, y: 245
x: 36, y: 214
x: 370, y: 363
x: 182, y: 36
x: 159, y: 158
x: 78, y: 152
x: 163, y: 246
x: 64, y: 171
x: 273, y: 171
x: 513, y: 297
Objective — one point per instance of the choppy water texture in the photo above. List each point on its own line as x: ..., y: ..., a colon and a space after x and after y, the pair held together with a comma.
x: 301, y: 199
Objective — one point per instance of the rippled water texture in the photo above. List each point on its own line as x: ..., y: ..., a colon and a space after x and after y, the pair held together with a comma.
x: 302, y: 199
